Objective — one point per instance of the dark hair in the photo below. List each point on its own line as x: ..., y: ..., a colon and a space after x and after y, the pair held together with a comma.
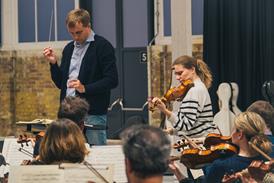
x: 200, y: 66
x: 74, y: 108
x: 265, y: 110
x: 147, y: 148
x: 63, y: 141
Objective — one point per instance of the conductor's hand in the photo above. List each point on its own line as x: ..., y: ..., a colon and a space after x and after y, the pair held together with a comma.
x: 75, y: 83
x: 50, y: 55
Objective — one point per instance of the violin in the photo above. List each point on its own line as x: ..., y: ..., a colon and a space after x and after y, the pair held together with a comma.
x: 25, y: 138
x: 35, y: 142
x: 175, y: 93
x: 214, y: 139
x: 256, y: 170
x: 197, y: 158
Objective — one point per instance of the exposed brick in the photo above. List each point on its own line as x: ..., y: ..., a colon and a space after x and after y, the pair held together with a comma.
x: 26, y: 89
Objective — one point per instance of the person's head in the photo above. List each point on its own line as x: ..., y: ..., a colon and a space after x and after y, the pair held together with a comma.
x: 265, y: 110
x: 78, y: 25
x: 75, y: 109
x: 63, y: 142
x: 147, y: 151
x: 250, y: 127
x: 186, y: 67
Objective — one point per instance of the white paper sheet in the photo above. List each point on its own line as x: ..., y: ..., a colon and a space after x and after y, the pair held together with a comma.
x: 110, y: 154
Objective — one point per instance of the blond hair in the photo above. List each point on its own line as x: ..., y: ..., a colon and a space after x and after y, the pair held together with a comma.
x: 63, y: 142
x: 200, y: 66
x: 253, y: 126
x: 78, y: 16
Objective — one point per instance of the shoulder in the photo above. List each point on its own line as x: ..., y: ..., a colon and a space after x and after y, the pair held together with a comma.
x: 199, y: 86
x: 100, y: 40
x: 198, y: 91
x: 103, y: 46
x: 68, y: 47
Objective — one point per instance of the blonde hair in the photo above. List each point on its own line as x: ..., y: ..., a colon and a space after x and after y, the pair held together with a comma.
x: 76, y: 16
x: 63, y: 141
x: 200, y: 66
x: 253, y: 126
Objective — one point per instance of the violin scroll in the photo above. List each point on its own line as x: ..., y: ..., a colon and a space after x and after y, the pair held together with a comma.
x: 24, y: 139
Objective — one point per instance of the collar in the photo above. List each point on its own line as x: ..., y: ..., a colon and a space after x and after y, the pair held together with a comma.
x: 89, y: 39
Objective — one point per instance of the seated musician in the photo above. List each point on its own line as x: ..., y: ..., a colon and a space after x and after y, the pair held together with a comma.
x: 63, y: 143
x: 248, y: 128
x: 73, y: 108
x: 147, y: 151
x: 194, y: 117
x: 266, y: 111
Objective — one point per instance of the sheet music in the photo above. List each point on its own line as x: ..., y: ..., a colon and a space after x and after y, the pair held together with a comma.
x: 110, y: 154
x: 80, y: 173
x: 65, y: 173
x: 12, y: 155
x: 36, y: 173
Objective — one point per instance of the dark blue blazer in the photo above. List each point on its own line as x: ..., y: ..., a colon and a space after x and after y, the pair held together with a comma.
x: 98, y: 73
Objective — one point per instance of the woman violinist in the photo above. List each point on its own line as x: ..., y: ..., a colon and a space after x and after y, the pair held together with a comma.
x: 248, y: 128
x: 63, y: 142
x: 194, y: 117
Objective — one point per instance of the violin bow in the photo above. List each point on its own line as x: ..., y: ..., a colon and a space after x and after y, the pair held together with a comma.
x: 51, y: 22
x: 260, y: 151
x: 22, y: 150
x: 93, y: 170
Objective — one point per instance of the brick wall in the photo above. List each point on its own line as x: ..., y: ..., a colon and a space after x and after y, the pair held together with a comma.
x: 26, y: 89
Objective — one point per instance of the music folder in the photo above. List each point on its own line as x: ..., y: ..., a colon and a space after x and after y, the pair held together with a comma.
x: 63, y: 173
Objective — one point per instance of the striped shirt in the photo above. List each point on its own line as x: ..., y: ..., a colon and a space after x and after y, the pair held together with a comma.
x: 194, y: 117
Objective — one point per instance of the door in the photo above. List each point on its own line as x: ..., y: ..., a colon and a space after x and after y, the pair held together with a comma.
x: 128, y: 25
